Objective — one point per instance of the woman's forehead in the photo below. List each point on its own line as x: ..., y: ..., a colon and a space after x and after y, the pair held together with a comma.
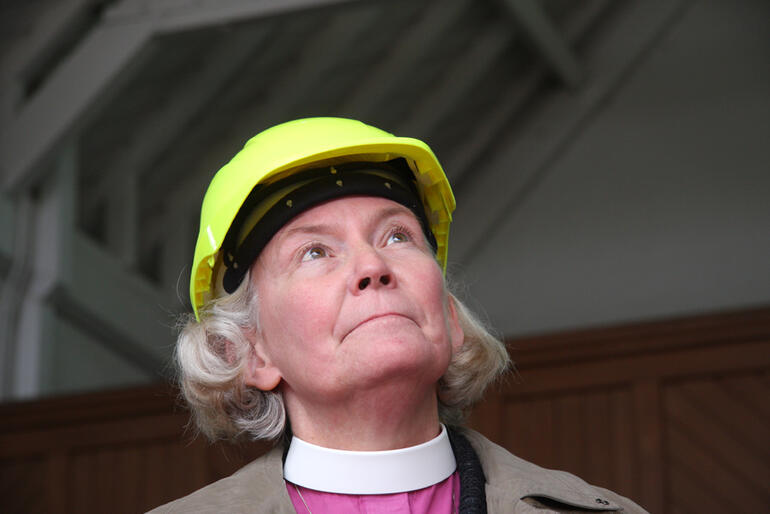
x: 346, y: 209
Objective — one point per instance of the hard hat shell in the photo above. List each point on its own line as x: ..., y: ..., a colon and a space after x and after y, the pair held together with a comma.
x: 306, y: 143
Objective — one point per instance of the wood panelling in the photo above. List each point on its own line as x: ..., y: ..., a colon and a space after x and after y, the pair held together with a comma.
x: 718, y: 443
x: 23, y: 482
x: 673, y: 414
x: 590, y: 430
x: 121, y: 451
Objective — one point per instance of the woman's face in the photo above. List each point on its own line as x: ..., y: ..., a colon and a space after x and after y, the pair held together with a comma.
x: 351, y: 299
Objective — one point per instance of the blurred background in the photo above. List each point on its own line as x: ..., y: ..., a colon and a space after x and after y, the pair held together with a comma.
x: 611, y: 164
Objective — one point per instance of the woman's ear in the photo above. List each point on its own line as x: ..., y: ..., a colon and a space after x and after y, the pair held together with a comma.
x: 455, y: 328
x: 260, y: 372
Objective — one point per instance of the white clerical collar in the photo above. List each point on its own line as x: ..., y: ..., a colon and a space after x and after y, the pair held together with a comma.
x: 375, y: 472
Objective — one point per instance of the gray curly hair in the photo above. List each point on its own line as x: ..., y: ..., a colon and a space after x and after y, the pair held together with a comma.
x: 211, y: 355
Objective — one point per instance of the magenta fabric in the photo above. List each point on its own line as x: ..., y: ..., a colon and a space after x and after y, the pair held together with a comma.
x: 436, y: 499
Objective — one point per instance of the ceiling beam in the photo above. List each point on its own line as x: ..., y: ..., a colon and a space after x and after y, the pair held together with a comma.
x: 91, y: 74
x: 540, y: 30
x: 169, y: 16
x: 49, y: 28
x: 49, y: 36
x: 63, y: 102
x: 115, y: 304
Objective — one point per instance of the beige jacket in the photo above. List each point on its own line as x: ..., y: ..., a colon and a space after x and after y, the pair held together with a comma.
x: 513, y: 486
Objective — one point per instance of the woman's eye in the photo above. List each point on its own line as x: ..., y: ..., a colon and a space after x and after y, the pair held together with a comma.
x: 313, y: 253
x: 398, y: 237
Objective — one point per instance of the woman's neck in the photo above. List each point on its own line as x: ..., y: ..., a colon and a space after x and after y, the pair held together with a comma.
x: 368, y: 422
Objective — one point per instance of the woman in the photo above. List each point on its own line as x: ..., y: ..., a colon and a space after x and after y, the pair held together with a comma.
x: 322, y: 320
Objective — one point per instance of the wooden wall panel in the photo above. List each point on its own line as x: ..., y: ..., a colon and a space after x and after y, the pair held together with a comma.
x: 589, y: 430
x: 673, y: 414
x: 717, y: 443
x: 132, y: 477
x: 22, y: 484
x: 122, y: 451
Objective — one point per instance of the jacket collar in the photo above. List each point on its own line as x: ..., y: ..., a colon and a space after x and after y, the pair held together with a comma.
x: 511, y: 479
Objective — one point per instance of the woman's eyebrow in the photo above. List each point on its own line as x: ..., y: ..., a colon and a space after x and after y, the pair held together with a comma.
x: 313, y: 230
x: 388, y: 212
x: 322, y: 229
x: 328, y: 229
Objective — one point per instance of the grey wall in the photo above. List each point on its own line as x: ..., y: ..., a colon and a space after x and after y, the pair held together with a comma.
x: 660, y: 206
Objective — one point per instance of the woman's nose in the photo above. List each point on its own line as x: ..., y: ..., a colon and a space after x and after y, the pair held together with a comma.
x: 371, y: 271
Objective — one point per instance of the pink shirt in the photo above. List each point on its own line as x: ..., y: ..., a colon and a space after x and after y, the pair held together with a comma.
x: 440, y: 498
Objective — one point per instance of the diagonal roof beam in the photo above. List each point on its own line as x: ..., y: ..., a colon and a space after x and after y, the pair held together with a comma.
x: 171, y: 16
x: 539, y: 29
x: 50, y: 35
x: 91, y: 74
x: 45, y: 35
x: 69, y: 95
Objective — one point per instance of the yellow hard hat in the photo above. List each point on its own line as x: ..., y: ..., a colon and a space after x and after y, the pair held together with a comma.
x: 303, y: 148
